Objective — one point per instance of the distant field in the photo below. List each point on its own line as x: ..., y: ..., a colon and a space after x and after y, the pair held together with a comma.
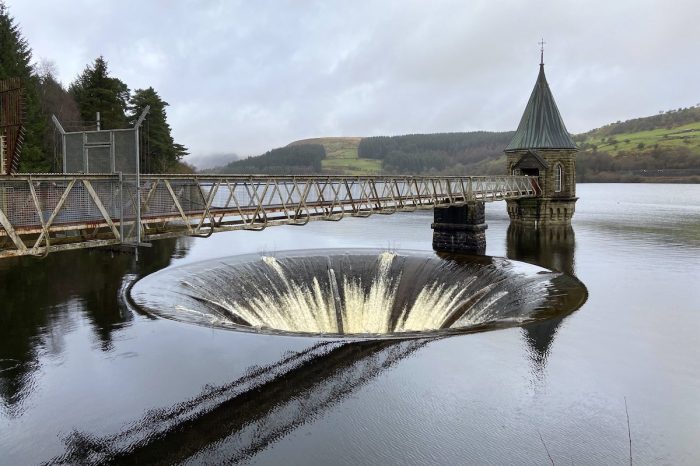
x: 686, y: 135
x: 341, y: 156
x: 670, y: 152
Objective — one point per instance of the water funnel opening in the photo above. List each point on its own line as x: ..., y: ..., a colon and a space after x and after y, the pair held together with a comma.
x: 362, y: 293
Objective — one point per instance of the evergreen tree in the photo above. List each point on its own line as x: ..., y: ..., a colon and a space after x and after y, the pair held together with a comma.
x: 15, y: 61
x: 55, y: 100
x: 96, y: 91
x: 159, y: 152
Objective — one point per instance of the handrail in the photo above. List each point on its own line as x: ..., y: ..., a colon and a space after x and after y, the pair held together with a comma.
x: 105, y: 208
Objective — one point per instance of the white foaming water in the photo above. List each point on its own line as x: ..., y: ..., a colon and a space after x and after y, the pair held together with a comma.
x: 309, y: 308
x: 378, y: 293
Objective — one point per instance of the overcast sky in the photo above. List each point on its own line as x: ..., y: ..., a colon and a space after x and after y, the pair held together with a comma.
x: 247, y: 76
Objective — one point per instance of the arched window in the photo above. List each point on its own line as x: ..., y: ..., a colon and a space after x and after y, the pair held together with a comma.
x: 558, y: 177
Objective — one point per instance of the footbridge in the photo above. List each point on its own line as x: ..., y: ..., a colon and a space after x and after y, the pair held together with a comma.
x: 43, y: 213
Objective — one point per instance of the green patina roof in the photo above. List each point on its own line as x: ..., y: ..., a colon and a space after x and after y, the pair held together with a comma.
x: 541, y: 126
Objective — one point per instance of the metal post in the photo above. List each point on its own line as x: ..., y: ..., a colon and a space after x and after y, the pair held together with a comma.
x: 137, y: 210
x: 98, y: 121
x: 63, y: 139
x: 121, y: 207
x: 112, y: 154
x: 86, y: 166
x: 2, y: 155
x: 137, y: 127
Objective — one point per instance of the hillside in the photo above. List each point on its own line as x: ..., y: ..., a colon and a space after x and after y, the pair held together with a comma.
x: 666, y: 138
x: 667, y: 130
x: 477, y: 152
x: 301, y: 159
x: 445, y: 153
x: 659, y: 148
x: 341, y: 156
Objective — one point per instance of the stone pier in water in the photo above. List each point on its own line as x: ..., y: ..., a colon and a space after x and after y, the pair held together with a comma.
x: 460, y: 228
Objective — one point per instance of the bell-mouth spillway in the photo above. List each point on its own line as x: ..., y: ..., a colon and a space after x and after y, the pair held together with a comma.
x: 358, y: 293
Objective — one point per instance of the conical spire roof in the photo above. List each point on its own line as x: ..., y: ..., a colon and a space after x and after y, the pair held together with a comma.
x: 541, y: 126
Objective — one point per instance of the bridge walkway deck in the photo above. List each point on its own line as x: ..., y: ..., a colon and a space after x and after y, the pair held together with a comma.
x: 43, y: 213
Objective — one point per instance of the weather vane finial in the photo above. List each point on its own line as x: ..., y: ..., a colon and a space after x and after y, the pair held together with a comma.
x: 542, y: 42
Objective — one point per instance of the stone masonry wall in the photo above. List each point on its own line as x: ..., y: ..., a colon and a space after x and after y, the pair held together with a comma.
x: 551, y: 208
x: 460, y: 229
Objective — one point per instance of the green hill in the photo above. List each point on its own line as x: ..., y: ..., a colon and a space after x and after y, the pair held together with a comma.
x: 659, y: 148
x: 666, y: 138
x: 302, y: 159
x: 477, y: 152
x: 341, y: 156
x: 667, y: 130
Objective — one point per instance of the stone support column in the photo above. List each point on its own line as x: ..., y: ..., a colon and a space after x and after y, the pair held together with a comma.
x: 460, y: 229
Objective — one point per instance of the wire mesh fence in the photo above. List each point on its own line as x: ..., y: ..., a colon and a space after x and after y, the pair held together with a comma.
x: 39, y: 213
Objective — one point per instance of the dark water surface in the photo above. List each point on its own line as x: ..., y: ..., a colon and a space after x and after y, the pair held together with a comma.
x: 84, y: 379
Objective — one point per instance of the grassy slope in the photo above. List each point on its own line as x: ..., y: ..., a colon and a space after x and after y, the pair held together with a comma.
x: 341, y: 152
x: 341, y: 156
x: 686, y: 135
x: 342, y: 159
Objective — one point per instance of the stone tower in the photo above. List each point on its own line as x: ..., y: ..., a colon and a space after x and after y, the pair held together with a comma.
x: 542, y: 147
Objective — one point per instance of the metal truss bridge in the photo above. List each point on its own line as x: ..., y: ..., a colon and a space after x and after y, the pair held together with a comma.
x: 43, y: 213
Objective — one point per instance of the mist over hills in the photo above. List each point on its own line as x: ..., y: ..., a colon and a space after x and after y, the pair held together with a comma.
x: 204, y: 162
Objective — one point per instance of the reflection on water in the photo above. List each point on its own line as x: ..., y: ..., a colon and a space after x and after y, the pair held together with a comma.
x: 82, y: 380
x: 552, y: 247
x: 648, y: 215
x: 232, y: 421
x: 244, y: 417
x: 235, y: 421
x: 43, y: 299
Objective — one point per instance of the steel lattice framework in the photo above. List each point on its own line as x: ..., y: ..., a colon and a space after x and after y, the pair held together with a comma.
x: 12, y: 110
x: 44, y: 213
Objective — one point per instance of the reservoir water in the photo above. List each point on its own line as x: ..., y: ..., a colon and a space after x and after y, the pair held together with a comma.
x: 88, y: 378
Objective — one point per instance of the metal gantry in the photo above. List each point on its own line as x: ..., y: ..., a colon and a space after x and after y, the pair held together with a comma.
x: 44, y: 213
x: 12, y: 131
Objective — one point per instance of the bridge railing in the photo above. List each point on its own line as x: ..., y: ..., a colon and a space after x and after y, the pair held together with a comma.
x: 42, y: 213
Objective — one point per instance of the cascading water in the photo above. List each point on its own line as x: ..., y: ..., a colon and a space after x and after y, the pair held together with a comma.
x: 359, y: 293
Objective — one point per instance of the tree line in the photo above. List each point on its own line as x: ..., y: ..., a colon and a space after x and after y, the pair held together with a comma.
x: 440, y: 153
x: 76, y: 106
x: 676, y: 162
x: 665, y: 119
x: 304, y: 159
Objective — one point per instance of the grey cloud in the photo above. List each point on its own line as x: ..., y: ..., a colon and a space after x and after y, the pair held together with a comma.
x: 244, y: 77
